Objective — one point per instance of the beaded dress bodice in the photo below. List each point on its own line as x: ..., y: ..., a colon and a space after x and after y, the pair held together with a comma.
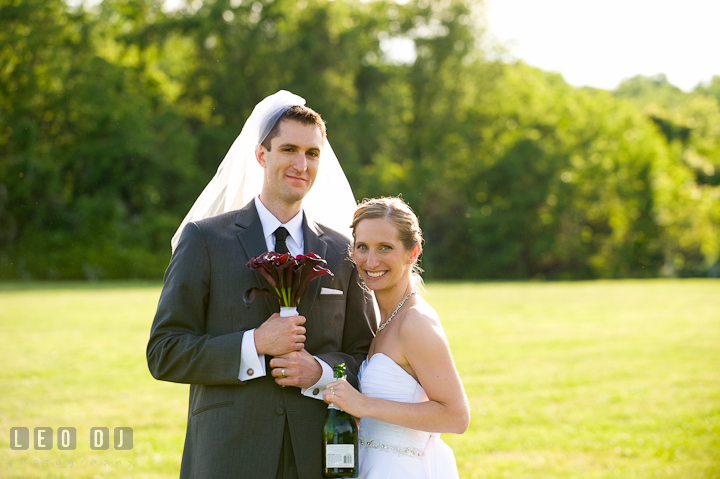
x: 381, y: 377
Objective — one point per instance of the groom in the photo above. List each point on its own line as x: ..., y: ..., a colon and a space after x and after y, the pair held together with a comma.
x: 242, y: 422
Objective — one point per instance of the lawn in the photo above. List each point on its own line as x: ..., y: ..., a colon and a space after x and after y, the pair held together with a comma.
x: 601, y: 379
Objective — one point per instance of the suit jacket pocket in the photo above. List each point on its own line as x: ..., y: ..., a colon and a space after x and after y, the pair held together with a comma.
x: 204, y: 397
x: 212, y: 406
x: 332, y: 297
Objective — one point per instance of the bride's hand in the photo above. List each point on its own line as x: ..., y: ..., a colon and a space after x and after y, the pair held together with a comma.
x: 345, y: 396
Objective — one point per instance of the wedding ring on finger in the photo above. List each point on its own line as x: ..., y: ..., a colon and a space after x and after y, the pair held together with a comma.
x: 282, y: 373
x: 332, y: 391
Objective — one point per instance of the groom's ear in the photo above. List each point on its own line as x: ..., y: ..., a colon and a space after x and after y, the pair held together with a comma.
x: 260, y: 154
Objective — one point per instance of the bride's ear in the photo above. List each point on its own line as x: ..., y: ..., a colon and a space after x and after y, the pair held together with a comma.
x: 414, y: 254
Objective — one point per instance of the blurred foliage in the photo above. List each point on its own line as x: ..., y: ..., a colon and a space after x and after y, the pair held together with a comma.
x: 687, y: 182
x: 113, y: 119
x: 94, y: 160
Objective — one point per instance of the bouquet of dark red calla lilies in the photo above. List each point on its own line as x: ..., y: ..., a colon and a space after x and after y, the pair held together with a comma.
x: 288, y: 276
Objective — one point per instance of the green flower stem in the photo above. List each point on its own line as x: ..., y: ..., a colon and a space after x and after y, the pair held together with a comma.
x: 283, y: 295
x: 286, y: 297
x: 283, y: 292
x: 279, y: 294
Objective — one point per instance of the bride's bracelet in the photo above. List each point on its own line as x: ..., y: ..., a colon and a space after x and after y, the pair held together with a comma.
x: 374, y: 444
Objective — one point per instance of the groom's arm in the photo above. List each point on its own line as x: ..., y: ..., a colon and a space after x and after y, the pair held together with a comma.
x: 180, y: 349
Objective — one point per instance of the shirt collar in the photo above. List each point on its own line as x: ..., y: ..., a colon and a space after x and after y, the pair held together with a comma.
x: 270, y: 223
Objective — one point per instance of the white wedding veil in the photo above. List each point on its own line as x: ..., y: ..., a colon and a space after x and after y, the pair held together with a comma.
x: 239, y: 177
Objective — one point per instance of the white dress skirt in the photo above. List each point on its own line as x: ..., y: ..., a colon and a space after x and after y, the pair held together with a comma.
x: 390, y: 451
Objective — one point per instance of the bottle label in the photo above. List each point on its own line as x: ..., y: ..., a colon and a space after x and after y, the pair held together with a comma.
x: 340, y: 455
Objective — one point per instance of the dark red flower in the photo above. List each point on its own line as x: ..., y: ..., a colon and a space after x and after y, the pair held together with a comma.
x: 288, y: 276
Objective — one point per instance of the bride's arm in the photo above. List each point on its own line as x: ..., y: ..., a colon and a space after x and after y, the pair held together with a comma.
x: 425, y: 348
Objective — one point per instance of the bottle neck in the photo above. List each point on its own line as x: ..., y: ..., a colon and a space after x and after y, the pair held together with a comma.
x: 338, y: 374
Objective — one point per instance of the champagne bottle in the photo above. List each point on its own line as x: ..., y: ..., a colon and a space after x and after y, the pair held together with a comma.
x: 340, y: 438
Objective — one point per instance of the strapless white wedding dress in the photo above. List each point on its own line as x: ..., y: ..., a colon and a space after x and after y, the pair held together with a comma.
x: 390, y: 451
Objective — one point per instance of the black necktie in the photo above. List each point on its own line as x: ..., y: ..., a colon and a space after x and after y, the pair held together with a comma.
x: 280, y: 235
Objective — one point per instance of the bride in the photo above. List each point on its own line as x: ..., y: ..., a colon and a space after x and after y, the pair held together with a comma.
x: 411, y: 390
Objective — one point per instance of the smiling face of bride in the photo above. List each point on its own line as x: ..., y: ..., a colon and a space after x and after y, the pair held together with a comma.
x: 383, y: 261
x: 387, y: 244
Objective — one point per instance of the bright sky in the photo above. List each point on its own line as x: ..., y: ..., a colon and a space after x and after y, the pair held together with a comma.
x: 600, y: 43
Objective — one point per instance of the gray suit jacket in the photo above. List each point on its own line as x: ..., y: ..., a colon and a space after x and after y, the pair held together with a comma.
x: 235, y: 428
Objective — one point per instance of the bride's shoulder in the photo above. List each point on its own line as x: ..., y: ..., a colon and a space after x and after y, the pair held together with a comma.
x: 421, y: 320
x: 422, y: 337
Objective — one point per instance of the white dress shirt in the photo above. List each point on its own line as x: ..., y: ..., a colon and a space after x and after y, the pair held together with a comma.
x: 252, y: 364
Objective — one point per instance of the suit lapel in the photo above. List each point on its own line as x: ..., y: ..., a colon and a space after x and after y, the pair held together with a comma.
x: 313, y: 244
x: 252, y: 240
x: 251, y: 233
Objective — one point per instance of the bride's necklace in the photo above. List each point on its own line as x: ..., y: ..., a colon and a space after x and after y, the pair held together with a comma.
x: 396, y: 310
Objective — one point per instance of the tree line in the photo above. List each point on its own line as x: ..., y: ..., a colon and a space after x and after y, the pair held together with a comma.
x: 114, y: 118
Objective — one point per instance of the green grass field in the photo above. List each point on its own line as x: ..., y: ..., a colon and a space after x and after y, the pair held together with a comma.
x: 600, y: 379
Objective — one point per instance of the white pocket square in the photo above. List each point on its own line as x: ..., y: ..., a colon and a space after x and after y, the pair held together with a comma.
x: 330, y: 291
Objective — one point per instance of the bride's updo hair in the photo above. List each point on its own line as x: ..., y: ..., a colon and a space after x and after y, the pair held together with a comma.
x: 402, y: 216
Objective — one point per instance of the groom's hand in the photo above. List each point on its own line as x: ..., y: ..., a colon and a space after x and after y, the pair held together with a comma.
x: 300, y: 367
x: 278, y: 335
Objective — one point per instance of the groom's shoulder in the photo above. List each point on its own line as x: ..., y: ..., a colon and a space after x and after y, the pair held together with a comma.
x: 218, y: 227
x: 244, y: 216
x: 332, y: 236
x: 217, y: 221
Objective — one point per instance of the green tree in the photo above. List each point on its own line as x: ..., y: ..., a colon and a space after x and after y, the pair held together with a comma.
x: 114, y: 119
x: 87, y: 148
x: 687, y: 196
x: 557, y: 186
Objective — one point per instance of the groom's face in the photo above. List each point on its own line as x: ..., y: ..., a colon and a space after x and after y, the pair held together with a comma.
x: 291, y: 163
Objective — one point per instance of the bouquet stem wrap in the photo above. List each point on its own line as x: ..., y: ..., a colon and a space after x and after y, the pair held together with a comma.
x: 287, y: 311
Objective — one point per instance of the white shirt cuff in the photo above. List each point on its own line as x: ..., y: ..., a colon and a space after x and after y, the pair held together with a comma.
x: 252, y: 364
x: 316, y: 391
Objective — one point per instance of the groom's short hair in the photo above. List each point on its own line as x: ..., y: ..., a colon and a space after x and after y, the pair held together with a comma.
x: 301, y: 114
